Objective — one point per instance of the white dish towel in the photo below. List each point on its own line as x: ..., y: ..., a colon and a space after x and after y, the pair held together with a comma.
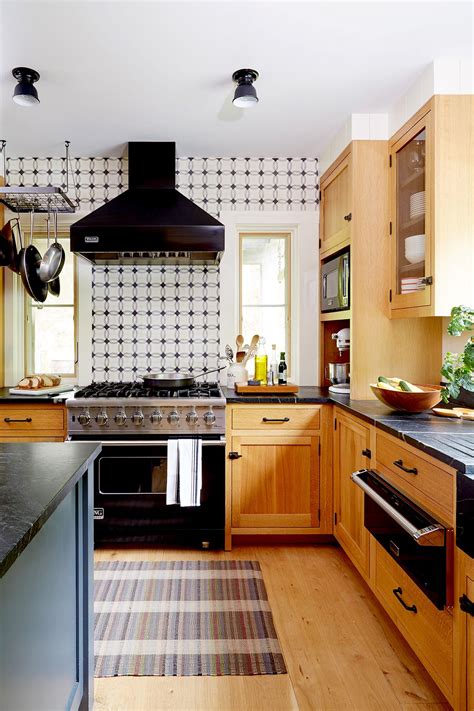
x: 184, y: 472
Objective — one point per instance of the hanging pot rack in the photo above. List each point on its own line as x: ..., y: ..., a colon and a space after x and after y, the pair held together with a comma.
x: 36, y: 198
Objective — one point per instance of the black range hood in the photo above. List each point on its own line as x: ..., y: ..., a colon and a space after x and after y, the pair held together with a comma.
x: 151, y: 222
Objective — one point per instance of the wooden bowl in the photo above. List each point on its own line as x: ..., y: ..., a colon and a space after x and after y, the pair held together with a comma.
x: 409, y: 402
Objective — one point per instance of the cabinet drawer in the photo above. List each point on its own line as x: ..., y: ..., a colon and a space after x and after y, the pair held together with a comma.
x: 19, y: 420
x: 428, y: 630
x: 430, y: 486
x: 276, y: 417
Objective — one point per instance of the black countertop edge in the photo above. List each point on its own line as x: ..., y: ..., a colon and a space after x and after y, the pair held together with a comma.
x: 17, y: 547
x: 55, y: 398
x: 448, y: 440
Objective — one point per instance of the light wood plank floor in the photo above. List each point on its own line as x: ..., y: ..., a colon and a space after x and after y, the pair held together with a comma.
x: 342, y: 651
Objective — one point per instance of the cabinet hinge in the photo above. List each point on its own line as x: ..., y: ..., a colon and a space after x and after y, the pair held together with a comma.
x: 319, y: 244
x: 319, y: 515
x: 390, y: 296
x: 390, y: 225
x: 390, y: 161
x: 319, y: 449
x: 320, y: 196
x: 335, y: 424
x: 335, y: 518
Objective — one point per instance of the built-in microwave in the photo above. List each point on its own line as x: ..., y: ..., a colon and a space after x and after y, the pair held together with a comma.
x: 335, y: 283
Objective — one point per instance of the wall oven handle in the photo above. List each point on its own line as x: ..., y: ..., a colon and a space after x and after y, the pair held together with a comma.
x: 433, y: 535
x: 408, y: 470
x: 398, y: 592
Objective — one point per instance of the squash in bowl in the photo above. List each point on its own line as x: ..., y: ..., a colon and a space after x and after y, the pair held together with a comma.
x: 429, y: 396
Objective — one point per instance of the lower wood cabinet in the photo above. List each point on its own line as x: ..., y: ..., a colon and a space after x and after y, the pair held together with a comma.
x: 351, y: 452
x: 32, y: 422
x: 279, y: 470
x: 464, y: 632
x: 275, y: 481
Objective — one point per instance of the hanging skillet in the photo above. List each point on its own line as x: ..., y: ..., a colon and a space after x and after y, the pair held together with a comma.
x: 8, y: 250
x: 169, y: 381
x: 29, y: 261
x: 53, y: 261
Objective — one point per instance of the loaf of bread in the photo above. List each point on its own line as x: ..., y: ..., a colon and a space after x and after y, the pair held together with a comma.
x: 35, y: 382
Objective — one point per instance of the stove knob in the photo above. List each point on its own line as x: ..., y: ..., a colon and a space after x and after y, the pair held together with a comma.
x: 137, y: 417
x: 156, y: 417
x: 120, y: 418
x: 209, y: 417
x: 102, y: 418
x: 192, y: 417
x: 84, y: 418
x: 173, y: 417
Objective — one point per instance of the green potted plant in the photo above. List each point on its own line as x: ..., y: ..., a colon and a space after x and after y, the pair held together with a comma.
x: 458, y: 368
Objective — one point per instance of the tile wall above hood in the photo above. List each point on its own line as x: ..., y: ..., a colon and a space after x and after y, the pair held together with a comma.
x: 151, y: 222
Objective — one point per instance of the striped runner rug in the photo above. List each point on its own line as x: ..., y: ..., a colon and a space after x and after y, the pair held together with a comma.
x: 183, y: 618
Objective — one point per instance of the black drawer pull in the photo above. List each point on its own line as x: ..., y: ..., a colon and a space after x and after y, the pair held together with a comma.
x: 398, y: 594
x: 275, y: 419
x: 399, y: 463
x: 348, y: 217
x: 234, y: 455
x: 466, y: 605
x: 366, y: 453
x: 9, y: 419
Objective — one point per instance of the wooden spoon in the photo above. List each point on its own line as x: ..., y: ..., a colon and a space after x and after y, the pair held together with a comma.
x: 239, y: 342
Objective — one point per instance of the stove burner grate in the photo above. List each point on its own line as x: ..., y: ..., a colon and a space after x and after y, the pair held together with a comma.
x: 135, y: 389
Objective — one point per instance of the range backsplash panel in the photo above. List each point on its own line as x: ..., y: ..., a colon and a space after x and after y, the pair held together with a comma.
x: 166, y: 318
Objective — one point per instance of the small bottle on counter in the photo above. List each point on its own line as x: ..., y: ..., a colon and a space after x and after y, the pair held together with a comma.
x: 282, y: 370
x: 273, y: 380
x: 261, y: 362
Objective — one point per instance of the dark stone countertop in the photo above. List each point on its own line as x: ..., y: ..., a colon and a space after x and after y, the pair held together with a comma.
x: 34, y: 478
x: 447, y: 439
x: 7, y: 398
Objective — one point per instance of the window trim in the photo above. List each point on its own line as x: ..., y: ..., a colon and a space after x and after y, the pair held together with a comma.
x: 277, y: 234
x: 27, y: 312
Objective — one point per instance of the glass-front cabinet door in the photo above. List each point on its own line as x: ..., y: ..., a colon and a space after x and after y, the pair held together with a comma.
x: 411, y: 158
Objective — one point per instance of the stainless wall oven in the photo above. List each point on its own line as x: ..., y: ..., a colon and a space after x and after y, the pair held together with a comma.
x: 335, y: 283
x: 420, y: 545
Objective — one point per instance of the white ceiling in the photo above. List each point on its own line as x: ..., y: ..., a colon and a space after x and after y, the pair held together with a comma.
x: 117, y: 71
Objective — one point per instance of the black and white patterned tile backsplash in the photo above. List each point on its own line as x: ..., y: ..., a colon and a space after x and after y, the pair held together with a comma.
x: 166, y: 318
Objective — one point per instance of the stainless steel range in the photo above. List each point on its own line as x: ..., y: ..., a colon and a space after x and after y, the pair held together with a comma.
x: 134, y: 425
x: 130, y: 410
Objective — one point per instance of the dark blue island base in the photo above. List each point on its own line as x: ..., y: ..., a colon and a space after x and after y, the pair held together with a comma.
x: 46, y: 569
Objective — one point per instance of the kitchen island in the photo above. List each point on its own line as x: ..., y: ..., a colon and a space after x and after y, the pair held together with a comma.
x: 46, y: 575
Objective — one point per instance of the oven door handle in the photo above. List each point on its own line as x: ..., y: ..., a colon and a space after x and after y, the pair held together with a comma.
x: 145, y: 443
x: 433, y: 535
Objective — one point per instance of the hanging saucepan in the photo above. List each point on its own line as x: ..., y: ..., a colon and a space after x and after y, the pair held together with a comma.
x: 29, y: 261
x: 8, y: 250
x: 53, y: 261
x: 54, y: 287
x: 170, y: 381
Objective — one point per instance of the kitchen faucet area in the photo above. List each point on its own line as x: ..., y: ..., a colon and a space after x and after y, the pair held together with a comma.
x: 236, y: 355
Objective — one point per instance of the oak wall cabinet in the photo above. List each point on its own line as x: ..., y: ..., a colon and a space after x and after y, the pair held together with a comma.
x: 432, y: 210
x: 378, y: 343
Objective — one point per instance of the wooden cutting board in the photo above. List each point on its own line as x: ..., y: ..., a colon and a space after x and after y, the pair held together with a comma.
x: 289, y: 388
x: 41, y: 391
x: 459, y: 412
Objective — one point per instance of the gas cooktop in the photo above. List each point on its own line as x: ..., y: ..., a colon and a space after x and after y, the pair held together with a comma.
x: 137, y: 389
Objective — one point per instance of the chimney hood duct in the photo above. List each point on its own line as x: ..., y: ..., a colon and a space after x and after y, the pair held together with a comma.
x: 151, y: 222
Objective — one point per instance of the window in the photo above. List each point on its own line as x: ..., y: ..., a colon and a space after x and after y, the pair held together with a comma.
x: 265, y: 289
x: 50, y: 327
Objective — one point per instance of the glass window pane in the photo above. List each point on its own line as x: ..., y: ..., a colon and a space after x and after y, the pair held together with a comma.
x: 53, y: 339
x: 265, y: 274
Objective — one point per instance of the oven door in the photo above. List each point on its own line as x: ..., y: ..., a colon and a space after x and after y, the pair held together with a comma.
x: 417, y: 542
x: 130, y: 496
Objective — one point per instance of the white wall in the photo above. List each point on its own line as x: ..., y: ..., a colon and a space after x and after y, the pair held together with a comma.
x: 445, y: 75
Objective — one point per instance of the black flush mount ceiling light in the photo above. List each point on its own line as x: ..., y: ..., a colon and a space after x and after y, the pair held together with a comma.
x: 25, y: 93
x: 245, y: 95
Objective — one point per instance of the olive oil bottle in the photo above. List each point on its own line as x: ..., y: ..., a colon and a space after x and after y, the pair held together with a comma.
x: 261, y: 362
